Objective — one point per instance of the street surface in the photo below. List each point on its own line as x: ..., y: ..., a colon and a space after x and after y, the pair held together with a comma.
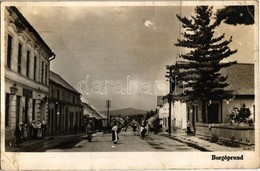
x: 128, y: 142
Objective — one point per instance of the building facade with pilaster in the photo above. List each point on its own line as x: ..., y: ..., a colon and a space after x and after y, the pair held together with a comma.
x: 26, y: 61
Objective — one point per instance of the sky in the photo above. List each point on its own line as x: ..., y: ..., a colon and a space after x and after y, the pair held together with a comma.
x: 119, y: 53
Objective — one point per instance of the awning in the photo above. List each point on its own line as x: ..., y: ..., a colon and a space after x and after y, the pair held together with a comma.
x: 153, y: 118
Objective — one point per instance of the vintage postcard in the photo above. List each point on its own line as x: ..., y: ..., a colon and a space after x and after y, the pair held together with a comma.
x: 129, y: 85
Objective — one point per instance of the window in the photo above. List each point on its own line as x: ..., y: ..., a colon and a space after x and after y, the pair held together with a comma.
x: 51, y: 91
x: 46, y: 74
x: 58, y: 94
x: 28, y: 63
x: 73, y: 99
x: 33, y: 109
x: 9, y: 50
x: 19, y: 62
x: 7, y: 107
x: 34, y: 68
x: 42, y: 73
x: 197, y: 113
x: 63, y: 95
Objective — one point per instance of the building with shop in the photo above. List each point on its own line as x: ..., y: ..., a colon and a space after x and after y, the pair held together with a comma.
x: 65, y: 108
x: 91, y: 115
x: 27, y: 61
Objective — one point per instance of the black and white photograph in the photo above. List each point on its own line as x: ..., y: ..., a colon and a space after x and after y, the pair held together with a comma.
x: 129, y: 82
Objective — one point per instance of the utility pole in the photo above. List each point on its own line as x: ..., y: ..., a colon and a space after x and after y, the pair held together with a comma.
x: 170, y: 72
x: 108, y: 104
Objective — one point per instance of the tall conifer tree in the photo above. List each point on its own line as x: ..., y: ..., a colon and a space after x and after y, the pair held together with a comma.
x: 206, y: 51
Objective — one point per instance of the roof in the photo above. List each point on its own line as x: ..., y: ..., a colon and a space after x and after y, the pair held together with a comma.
x: 93, y: 113
x: 60, y: 81
x: 29, y: 26
x: 240, y: 78
x: 102, y: 115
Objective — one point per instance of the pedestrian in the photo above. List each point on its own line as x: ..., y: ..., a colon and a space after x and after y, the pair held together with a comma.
x: 34, y: 129
x: 19, y: 134
x: 75, y: 129
x: 25, y: 132
x: 114, y: 133
x: 188, y: 127
x: 89, y: 130
x: 142, y: 130
x: 39, y: 130
x: 134, y: 128
x: 44, y: 129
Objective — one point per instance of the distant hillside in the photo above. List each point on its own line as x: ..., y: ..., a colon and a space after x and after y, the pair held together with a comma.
x: 125, y: 112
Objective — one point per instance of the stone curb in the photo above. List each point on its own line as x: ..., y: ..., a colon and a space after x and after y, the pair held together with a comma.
x: 190, y: 144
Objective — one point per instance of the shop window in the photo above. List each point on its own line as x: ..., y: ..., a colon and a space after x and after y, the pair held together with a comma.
x: 18, y: 110
x: 33, y: 109
x: 7, y: 109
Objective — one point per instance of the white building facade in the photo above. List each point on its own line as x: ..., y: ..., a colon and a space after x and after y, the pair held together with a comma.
x: 27, y: 62
x: 178, y: 114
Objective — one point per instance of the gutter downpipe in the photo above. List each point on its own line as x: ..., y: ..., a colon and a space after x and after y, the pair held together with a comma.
x: 52, y: 57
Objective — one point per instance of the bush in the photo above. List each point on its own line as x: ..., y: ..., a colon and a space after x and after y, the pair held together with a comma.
x: 214, y: 138
x: 241, y: 114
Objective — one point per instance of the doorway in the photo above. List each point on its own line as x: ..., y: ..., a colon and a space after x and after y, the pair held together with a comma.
x: 213, y: 113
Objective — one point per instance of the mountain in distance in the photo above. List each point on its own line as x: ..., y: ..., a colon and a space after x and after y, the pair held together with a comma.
x: 125, y: 112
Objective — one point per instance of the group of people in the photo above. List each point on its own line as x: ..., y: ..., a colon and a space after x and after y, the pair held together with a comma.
x: 35, y: 131
x: 143, y: 128
x: 38, y: 130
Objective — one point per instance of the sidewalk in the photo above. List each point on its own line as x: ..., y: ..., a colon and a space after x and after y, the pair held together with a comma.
x: 39, y: 144
x: 201, y: 144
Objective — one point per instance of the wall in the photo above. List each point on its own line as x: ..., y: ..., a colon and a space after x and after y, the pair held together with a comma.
x: 179, y: 115
x: 243, y: 135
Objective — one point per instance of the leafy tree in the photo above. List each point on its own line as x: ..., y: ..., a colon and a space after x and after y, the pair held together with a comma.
x: 200, y: 72
x: 236, y: 15
x: 148, y: 115
x: 152, y: 113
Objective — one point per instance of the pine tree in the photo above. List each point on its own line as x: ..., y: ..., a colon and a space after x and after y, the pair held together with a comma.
x: 200, y: 72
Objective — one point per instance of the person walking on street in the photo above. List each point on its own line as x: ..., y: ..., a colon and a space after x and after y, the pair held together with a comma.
x: 89, y: 130
x: 44, y: 129
x: 142, y: 129
x: 134, y: 128
x: 188, y: 127
x: 19, y: 134
x: 39, y: 130
x: 114, y: 133
x: 34, y: 129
